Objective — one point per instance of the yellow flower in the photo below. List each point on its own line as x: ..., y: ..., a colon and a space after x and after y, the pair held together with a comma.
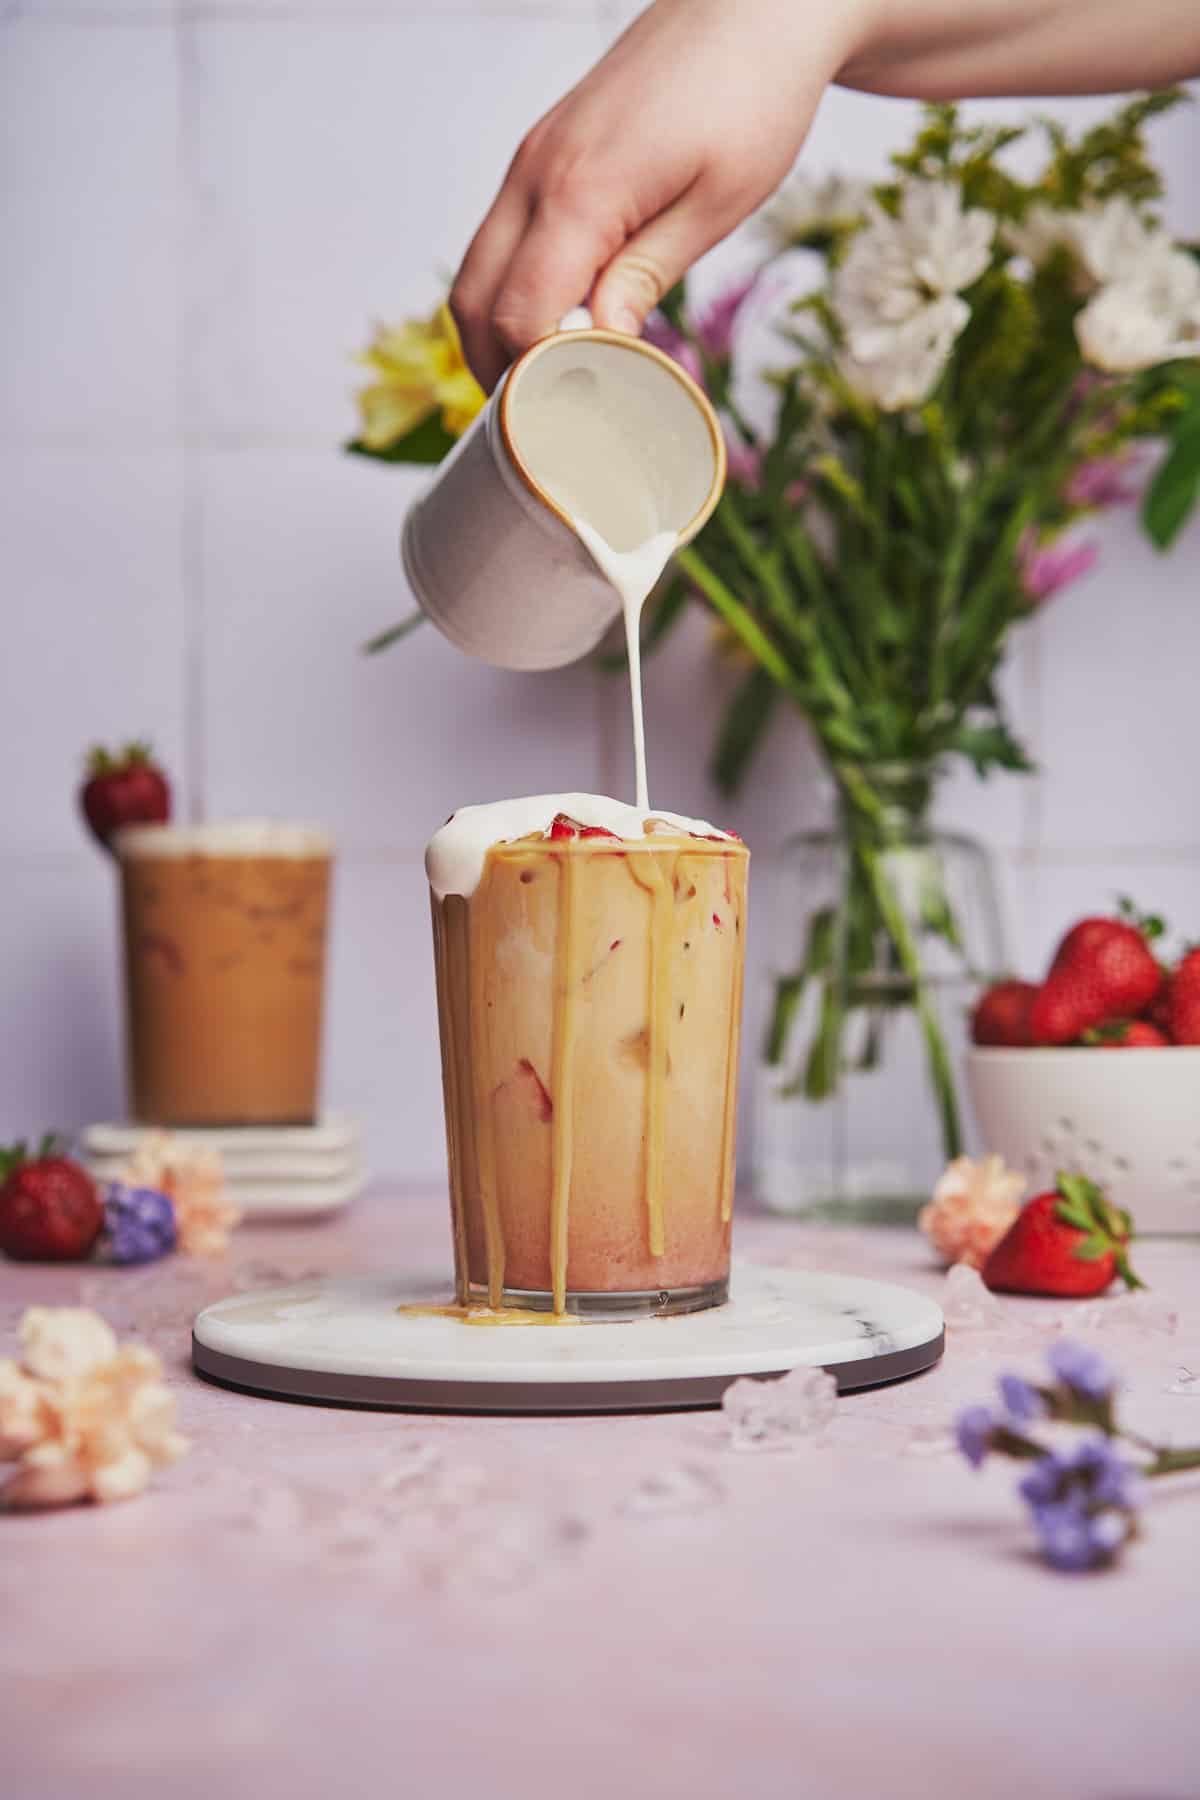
x: 421, y: 369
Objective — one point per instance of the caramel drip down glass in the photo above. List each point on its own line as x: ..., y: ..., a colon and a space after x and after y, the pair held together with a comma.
x: 589, y: 1000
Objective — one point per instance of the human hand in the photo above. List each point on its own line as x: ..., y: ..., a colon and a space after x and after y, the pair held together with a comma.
x: 688, y: 123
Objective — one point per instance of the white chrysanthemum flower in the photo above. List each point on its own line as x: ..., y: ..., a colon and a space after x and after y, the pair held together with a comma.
x: 1114, y: 242
x: 899, y: 365
x: 1147, y: 318
x: 1043, y: 230
x: 805, y: 206
x: 896, y: 293
x: 933, y: 248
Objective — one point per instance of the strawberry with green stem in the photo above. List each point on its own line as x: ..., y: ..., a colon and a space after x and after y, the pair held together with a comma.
x: 125, y: 788
x: 1070, y: 1241
x: 50, y: 1210
x: 1103, y: 970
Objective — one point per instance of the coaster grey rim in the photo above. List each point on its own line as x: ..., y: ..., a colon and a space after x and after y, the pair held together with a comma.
x: 340, y: 1342
x: 386, y: 1393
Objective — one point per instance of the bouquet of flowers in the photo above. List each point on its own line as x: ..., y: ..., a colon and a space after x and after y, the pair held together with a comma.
x: 974, y: 369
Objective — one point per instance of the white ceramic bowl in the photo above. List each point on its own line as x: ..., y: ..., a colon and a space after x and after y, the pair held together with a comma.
x: 1128, y: 1118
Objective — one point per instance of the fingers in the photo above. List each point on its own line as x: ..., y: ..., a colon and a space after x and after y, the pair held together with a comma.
x: 473, y: 296
x: 568, y: 240
x: 654, y: 258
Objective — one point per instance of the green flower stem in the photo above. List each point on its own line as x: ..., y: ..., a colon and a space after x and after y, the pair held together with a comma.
x: 1173, y: 1462
x: 941, y: 1073
x: 385, y: 639
x: 742, y: 621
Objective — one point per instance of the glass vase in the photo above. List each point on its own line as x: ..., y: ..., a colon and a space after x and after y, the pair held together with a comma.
x: 882, y: 932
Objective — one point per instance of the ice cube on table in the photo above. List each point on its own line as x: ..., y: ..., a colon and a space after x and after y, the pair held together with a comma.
x: 780, y: 1411
x: 967, y: 1303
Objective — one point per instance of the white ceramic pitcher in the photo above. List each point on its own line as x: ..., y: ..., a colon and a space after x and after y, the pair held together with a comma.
x: 489, y: 549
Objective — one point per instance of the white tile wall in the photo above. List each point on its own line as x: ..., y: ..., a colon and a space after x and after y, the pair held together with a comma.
x: 89, y: 124
x: 93, y: 645
x: 327, y: 178
x: 205, y: 203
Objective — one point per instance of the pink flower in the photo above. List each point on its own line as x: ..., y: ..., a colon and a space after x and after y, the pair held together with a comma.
x: 973, y: 1205
x: 714, y: 326
x: 1046, y: 569
x: 744, y: 463
x: 1102, y: 482
x: 82, y: 1418
x: 193, y: 1179
x: 662, y: 334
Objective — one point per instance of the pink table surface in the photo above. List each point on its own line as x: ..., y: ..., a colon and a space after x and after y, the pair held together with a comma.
x: 320, y: 1602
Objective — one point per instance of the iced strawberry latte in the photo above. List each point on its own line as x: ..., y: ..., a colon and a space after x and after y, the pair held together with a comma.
x: 589, y: 971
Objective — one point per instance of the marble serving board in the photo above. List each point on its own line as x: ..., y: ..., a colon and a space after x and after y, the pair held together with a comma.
x: 347, y: 1341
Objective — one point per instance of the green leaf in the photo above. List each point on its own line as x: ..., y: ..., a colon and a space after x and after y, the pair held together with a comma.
x: 427, y: 442
x: 1092, y: 1249
x: 1171, y: 496
x: 1079, y: 1191
x: 988, y: 746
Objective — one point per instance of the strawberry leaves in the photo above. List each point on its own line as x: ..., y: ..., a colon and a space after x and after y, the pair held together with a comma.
x: 15, y: 1156
x: 1107, y: 1228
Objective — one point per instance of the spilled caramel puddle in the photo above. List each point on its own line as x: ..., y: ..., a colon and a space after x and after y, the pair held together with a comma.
x: 488, y: 1315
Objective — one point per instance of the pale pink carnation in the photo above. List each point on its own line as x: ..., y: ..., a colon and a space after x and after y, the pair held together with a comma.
x: 743, y: 463
x: 82, y: 1418
x: 1046, y: 569
x: 193, y: 1179
x: 1103, y: 481
x: 662, y: 334
x: 973, y: 1205
x: 714, y: 326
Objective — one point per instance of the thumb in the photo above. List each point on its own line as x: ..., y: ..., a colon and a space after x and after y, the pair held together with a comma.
x: 652, y: 261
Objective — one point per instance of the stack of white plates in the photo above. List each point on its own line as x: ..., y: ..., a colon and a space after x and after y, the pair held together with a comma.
x: 271, y: 1170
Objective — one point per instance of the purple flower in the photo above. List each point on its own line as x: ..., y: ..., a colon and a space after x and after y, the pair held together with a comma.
x: 714, y: 326
x: 139, y: 1224
x: 662, y: 334
x: 1101, y: 482
x: 1046, y: 569
x: 1082, y: 1370
x: 1083, y: 1503
x: 1021, y: 1398
x: 973, y: 1430
x: 1074, y: 1539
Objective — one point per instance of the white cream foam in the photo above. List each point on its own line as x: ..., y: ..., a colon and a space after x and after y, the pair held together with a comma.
x: 456, y: 854
x: 224, y: 837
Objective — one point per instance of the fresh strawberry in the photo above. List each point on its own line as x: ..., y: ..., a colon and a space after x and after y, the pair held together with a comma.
x: 1104, y: 969
x: 1068, y: 1241
x: 49, y: 1208
x: 1127, y: 1034
x: 125, y: 789
x: 563, y: 826
x: 1159, y: 1011
x: 1002, y: 1014
x: 1183, y: 1000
